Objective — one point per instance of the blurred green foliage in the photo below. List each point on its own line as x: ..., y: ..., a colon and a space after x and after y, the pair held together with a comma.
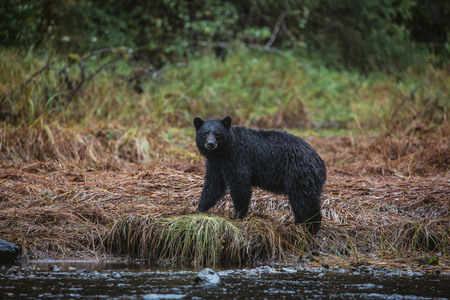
x: 21, y: 23
x: 366, y: 35
x: 137, y: 59
x: 254, y: 87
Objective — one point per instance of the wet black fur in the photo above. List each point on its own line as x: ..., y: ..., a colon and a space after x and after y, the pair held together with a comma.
x: 239, y: 158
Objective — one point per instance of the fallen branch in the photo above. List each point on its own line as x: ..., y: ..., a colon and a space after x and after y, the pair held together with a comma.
x: 275, y: 30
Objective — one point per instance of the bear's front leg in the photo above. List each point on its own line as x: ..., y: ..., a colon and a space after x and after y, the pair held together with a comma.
x: 241, y: 194
x: 214, y: 187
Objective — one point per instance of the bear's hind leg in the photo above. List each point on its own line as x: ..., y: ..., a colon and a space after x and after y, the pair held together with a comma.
x: 306, y: 210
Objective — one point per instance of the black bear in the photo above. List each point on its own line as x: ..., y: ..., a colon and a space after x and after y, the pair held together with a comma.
x: 239, y: 158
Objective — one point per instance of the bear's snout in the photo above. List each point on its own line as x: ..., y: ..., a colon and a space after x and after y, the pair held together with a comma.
x: 211, y: 143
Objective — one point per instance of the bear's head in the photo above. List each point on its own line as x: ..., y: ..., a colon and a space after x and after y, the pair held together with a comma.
x: 213, y: 136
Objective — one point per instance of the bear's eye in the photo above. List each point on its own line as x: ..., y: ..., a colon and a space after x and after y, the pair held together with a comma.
x: 217, y: 134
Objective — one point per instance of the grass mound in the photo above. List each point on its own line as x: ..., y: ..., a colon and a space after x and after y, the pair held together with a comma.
x: 190, y: 239
x: 204, y: 240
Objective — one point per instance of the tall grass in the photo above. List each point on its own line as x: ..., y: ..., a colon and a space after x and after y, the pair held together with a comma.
x: 255, y: 88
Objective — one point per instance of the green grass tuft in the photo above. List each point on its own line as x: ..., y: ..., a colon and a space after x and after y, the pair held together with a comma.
x: 200, y: 240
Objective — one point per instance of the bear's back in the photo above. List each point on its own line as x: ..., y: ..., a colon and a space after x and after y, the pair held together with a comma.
x: 274, y: 149
x: 274, y: 159
x: 269, y: 140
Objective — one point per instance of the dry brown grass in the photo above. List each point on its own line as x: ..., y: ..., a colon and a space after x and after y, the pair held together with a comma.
x: 74, y: 193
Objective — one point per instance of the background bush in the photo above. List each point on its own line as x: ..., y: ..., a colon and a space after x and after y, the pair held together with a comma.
x: 283, y: 64
x: 366, y: 35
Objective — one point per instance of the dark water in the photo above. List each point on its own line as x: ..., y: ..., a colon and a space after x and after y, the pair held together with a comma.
x: 73, y: 280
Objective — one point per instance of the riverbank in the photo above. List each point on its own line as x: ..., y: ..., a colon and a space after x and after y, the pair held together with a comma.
x: 376, y: 215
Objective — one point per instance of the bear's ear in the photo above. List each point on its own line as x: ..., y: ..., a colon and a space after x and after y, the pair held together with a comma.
x: 226, y: 122
x: 198, y: 123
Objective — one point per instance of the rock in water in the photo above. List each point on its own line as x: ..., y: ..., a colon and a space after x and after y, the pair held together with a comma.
x: 8, y: 252
x: 207, y: 276
x: 55, y: 268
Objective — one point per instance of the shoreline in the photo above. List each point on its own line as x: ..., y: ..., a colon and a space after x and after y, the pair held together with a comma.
x: 120, y: 263
x: 374, y: 216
